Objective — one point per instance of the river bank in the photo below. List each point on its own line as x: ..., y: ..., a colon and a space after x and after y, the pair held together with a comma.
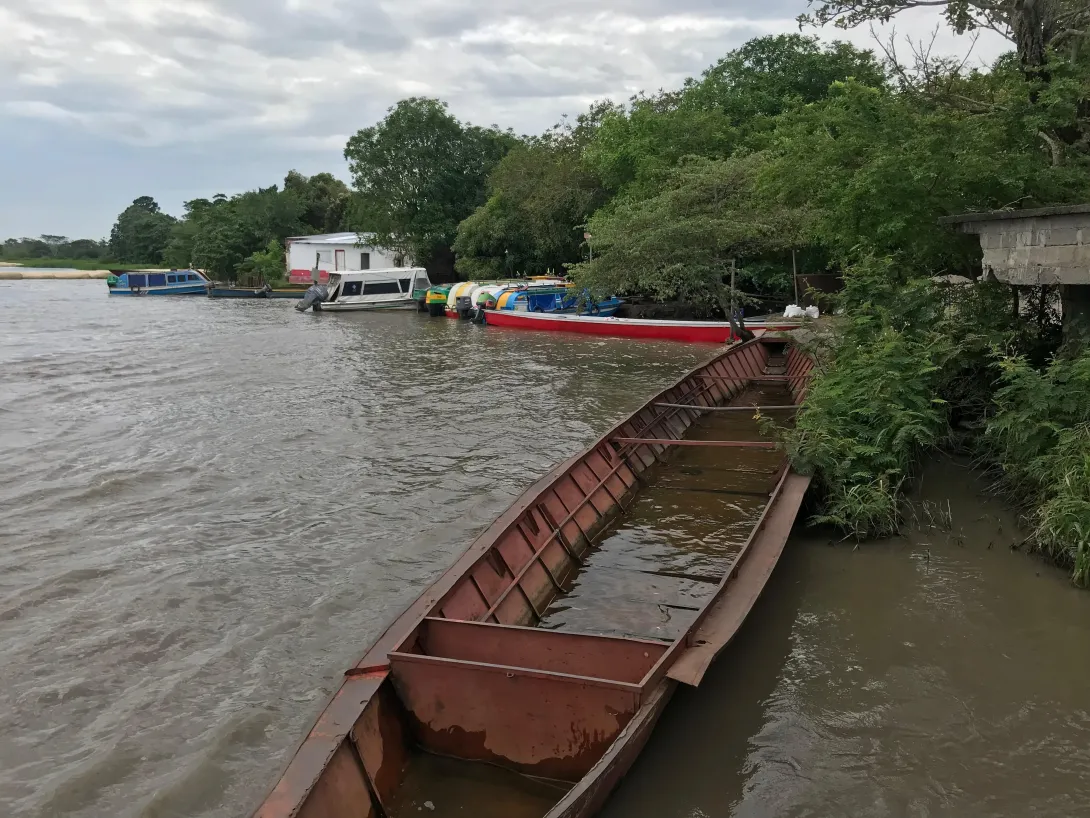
x: 14, y: 273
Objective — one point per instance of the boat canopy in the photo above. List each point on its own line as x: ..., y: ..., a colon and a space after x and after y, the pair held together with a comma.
x: 391, y: 281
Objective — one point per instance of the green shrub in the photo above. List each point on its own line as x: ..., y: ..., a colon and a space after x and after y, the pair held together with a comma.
x: 866, y: 420
x: 1039, y: 436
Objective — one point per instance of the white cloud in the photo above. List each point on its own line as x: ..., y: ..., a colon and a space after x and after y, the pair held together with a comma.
x: 250, y: 76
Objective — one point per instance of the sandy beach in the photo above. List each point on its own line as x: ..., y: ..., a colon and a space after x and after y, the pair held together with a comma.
x: 13, y: 272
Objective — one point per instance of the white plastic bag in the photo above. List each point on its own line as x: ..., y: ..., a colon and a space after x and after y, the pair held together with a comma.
x: 812, y: 312
x: 793, y: 311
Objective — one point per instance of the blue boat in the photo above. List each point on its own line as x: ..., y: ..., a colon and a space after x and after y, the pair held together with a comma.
x: 605, y: 309
x: 146, y: 282
x: 562, y: 300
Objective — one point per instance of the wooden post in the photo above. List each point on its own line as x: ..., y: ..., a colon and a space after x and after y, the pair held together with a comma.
x: 795, y: 276
x: 733, y: 274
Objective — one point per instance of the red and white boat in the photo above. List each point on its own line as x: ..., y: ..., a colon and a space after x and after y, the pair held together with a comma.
x: 700, y: 332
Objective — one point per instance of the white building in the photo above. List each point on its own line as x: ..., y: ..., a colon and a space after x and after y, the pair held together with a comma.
x: 336, y: 251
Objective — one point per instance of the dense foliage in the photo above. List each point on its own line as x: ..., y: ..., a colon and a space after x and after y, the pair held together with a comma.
x: 913, y: 364
x: 540, y: 195
x: 1040, y: 437
x: 141, y: 233
x: 228, y: 237
x: 873, y: 408
x: 418, y: 173
x: 60, y: 248
x: 682, y: 241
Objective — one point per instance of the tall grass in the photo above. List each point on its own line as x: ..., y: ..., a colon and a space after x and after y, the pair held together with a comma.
x: 1039, y: 436
x: 909, y: 356
x: 874, y: 408
x: 867, y: 419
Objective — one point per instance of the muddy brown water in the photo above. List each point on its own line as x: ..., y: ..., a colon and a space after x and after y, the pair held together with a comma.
x: 938, y: 674
x: 208, y: 509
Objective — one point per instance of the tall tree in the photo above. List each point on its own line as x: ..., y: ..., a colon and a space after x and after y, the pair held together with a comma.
x: 220, y: 234
x: 1038, y: 29
x: 325, y: 200
x: 141, y: 233
x: 541, y: 195
x: 681, y: 242
x: 418, y: 173
x: 1052, y: 40
x: 768, y: 75
x: 732, y: 106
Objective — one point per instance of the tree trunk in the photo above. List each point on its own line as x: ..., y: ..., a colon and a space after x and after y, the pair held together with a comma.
x: 1033, y: 27
x: 1075, y: 299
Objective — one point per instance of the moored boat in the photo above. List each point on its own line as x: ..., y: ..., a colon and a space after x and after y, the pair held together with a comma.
x: 158, y: 282
x: 464, y: 299
x: 483, y: 677
x: 558, y: 301
x: 707, y: 332
x: 391, y: 289
x: 287, y: 291
x: 436, y: 300
x: 459, y: 301
x: 216, y: 290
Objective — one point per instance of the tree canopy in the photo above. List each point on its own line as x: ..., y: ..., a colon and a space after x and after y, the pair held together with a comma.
x: 141, y: 232
x: 682, y: 242
x: 418, y: 173
x: 540, y: 196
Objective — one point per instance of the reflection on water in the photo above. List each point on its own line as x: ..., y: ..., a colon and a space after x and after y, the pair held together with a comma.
x: 935, y: 675
x: 209, y: 508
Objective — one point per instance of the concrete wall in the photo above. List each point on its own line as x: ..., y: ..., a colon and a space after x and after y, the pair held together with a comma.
x: 1040, y: 250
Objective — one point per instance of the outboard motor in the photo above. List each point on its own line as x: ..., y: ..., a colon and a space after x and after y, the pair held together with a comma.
x: 479, y: 314
x: 313, y: 297
x: 465, y: 306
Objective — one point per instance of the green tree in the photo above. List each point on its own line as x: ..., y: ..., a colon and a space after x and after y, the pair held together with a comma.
x: 632, y: 145
x: 266, y: 265
x: 732, y: 106
x: 81, y: 249
x: 768, y: 75
x: 325, y: 200
x: 541, y: 195
x: 680, y: 243
x: 878, y: 170
x: 141, y: 233
x: 418, y: 173
x: 220, y: 234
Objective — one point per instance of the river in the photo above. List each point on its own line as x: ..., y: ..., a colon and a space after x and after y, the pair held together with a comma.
x: 208, y: 508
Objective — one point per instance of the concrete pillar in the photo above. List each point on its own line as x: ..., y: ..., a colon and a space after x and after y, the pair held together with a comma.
x: 1075, y: 299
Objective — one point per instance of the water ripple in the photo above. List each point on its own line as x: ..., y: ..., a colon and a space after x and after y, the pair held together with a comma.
x: 207, y: 510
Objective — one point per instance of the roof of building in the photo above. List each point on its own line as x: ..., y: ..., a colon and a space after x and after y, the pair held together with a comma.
x: 335, y: 238
x: 997, y: 215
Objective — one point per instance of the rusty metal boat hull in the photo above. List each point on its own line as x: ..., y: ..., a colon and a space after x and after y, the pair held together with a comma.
x: 475, y: 670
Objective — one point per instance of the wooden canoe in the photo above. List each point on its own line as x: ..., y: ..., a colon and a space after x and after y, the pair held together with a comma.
x: 472, y: 671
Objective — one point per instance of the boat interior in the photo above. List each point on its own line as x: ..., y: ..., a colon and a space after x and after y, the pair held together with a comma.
x: 526, y: 679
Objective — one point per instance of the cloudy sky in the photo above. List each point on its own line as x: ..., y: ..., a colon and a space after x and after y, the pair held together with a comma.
x: 102, y: 101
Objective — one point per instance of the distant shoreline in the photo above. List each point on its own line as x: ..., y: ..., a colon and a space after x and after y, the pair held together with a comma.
x: 61, y: 269
x: 13, y: 273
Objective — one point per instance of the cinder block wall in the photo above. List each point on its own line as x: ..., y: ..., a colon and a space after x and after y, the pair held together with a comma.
x: 1042, y: 250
